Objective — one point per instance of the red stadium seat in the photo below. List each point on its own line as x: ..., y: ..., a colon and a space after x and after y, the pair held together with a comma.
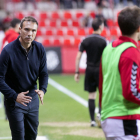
x: 81, y: 32
x: 105, y: 32
x: 67, y: 42
x: 55, y: 15
x: 59, y: 32
x: 90, y: 31
x: 39, y: 32
x: 43, y: 16
x: 114, y: 32
x: 116, y: 23
x: 67, y: 15
x: 57, y: 42
x: 49, y: 32
x: 20, y: 15
x: 52, y: 23
x: 110, y: 22
x: 79, y: 14
x: 75, y: 24
x: 42, y: 24
x: 77, y: 41
x: 46, y: 42
x: 70, y: 32
x: 92, y: 14
x: 64, y: 24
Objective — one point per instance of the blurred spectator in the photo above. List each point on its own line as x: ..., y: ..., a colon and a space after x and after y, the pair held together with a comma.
x: 32, y: 1
x: 8, y: 18
x: 99, y: 14
x: 117, y: 2
x: 103, y: 3
x: 12, y: 33
x: 1, y: 4
x: 136, y: 2
x: 86, y: 20
x: 67, y: 4
x: 79, y: 3
x: 1, y: 34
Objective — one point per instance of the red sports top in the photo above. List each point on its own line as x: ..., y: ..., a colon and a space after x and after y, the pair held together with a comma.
x: 130, y: 84
x: 10, y: 36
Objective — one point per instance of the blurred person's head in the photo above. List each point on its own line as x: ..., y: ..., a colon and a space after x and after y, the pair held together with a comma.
x: 129, y: 21
x: 15, y: 23
x: 8, y: 13
x: 5, y: 27
x: 98, y: 25
x: 8, y: 18
x: 87, y: 14
x: 28, y: 30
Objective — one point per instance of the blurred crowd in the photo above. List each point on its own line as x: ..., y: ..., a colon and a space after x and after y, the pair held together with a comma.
x: 9, y: 28
x: 69, y: 4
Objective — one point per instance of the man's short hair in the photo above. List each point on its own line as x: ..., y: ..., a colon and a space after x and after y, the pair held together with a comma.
x: 14, y: 22
x: 129, y: 20
x: 96, y: 23
x: 28, y: 18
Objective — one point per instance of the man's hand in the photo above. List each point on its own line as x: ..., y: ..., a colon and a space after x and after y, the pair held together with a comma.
x: 77, y: 77
x: 40, y: 94
x: 22, y: 98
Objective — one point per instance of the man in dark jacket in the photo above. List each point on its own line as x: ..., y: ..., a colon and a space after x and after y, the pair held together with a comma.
x: 22, y: 62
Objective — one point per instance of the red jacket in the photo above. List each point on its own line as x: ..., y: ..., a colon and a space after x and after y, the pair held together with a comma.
x: 10, y: 36
x: 128, y: 59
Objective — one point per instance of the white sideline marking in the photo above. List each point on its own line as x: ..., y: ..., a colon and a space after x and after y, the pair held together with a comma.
x: 68, y: 92
x: 38, y: 138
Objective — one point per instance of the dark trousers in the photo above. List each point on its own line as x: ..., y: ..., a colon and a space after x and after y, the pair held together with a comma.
x: 23, y: 121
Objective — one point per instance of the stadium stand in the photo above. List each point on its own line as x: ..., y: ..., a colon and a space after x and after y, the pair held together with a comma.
x: 61, y: 23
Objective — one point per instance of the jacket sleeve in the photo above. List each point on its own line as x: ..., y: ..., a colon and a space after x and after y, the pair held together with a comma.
x: 4, y: 88
x: 130, y: 78
x: 43, y: 73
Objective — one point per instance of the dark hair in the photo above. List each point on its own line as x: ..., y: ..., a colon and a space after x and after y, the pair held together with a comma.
x: 96, y: 23
x: 129, y: 20
x: 28, y: 18
x: 14, y: 22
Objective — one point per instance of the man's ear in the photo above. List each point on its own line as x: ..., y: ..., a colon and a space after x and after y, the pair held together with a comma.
x: 19, y: 29
x: 138, y: 30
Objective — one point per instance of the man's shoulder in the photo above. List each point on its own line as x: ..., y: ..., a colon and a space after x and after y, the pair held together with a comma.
x: 97, y: 37
x: 131, y: 53
x: 38, y: 44
x: 10, y: 46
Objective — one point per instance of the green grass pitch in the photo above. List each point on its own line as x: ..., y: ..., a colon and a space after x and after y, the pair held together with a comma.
x: 61, y: 117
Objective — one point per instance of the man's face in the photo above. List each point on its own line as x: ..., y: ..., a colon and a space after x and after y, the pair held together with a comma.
x: 28, y: 32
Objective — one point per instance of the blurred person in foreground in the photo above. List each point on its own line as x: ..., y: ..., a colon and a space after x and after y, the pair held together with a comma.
x: 22, y: 62
x: 93, y: 45
x: 12, y: 33
x: 120, y: 79
x: 2, y: 34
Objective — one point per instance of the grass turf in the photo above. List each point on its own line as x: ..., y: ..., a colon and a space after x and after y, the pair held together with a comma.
x: 61, y: 117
